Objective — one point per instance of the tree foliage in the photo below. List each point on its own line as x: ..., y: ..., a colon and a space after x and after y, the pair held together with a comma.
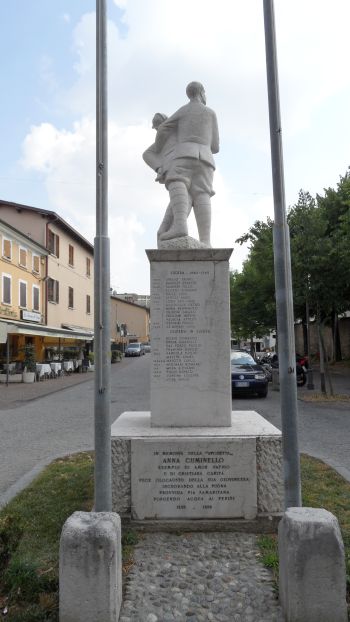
x: 320, y: 244
x: 253, y: 309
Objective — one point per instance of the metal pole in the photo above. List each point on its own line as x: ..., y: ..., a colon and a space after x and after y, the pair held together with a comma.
x: 283, y: 279
x: 103, y: 487
x: 7, y: 359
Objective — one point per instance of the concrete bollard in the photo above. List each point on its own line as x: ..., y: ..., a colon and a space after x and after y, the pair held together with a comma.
x: 90, y: 568
x: 312, y: 567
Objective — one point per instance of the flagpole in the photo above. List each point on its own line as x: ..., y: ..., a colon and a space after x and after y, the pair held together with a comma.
x: 103, y: 487
x: 283, y: 277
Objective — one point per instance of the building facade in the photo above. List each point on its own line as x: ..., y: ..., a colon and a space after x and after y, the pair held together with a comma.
x: 130, y: 322
x: 67, y: 296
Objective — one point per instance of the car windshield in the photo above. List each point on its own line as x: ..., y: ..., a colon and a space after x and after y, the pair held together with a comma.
x: 133, y: 346
x: 241, y: 358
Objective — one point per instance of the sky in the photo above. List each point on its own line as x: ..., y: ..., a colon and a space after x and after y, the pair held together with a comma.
x: 155, y: 48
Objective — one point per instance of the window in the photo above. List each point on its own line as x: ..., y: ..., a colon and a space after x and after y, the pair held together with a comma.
x: 71, y: 255
x: 53, y: 290
x: 6, y: 289
x: 36, y: 298
x: 6, y: 248
x: 70, y: 297
x: 23, y: 294
x: 22, y: 257
x: 88, y: 266
x: 36, y: 264
x: 54, y: 243
x: 88, y: 303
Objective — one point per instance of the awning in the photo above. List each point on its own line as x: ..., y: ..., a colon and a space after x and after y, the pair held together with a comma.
x: 25, y: 328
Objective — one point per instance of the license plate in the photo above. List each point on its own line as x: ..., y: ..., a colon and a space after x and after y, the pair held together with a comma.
x: 242, y: 384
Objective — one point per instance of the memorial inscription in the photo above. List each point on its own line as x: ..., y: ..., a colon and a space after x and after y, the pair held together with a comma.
x: 185, y: 327
x: 190, y: 379
x: 193, y: 479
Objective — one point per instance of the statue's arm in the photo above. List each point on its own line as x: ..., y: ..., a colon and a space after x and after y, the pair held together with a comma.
x: 151, y: 157
x: 215, y: 142
x: 164, y: 131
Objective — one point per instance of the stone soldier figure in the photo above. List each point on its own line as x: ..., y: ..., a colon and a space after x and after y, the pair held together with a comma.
x: 160, y: 163
x: 189, y: 171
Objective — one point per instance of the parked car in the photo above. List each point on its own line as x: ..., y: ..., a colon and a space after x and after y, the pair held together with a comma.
x: 147, y: 347
x: 247, y: 377
x: 134, y: 349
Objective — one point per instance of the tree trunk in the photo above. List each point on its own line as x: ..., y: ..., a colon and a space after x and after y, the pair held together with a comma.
x: 322, y: 375
x: 336, y: 337
x: 328, y: 374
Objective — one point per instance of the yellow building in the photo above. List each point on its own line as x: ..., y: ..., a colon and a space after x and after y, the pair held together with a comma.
x: 130, y: 322
x: 67, y: 304
x: 22, y: 291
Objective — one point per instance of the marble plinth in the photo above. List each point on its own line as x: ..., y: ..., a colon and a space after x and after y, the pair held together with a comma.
x: 222, y: 473
x: 190, y: 336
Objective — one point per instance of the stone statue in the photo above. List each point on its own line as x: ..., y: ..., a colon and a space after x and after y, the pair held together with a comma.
x: 182, y: 156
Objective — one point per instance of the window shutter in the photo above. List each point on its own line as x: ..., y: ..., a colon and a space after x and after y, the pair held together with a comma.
x: 36, y: 302
x: 7, y: 249
x: 6, y: 292
x: 23, y: 295
x: 36, y: 263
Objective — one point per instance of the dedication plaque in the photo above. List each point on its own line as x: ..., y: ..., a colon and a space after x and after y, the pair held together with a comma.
x: 193, y: 478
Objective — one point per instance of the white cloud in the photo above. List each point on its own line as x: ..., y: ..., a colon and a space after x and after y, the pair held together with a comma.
x: 66, y: 18
x: 165, y: 47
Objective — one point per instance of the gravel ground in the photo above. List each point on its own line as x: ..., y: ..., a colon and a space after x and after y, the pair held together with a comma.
x: 196, y: 577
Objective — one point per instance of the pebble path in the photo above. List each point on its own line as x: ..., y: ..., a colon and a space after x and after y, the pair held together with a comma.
x: 195, y: 577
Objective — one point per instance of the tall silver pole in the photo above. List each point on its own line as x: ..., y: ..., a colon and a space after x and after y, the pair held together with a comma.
x: 103, y: 487
x: 283, y: 279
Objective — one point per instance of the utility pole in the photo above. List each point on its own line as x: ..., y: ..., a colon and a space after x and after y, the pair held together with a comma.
x: 103, y: 484
x: 283, y: 278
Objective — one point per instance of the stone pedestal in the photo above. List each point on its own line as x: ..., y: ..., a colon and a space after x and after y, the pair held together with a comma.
x: 191, y: 460
x: 190, y: 336
x: 184, y: 475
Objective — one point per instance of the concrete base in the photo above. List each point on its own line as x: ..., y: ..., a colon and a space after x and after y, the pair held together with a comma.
x: 209, y: 475
x: 91, y: 568
x: 312, y: 567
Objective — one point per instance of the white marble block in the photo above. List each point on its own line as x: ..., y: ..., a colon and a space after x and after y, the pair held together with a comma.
x: 190, y: 336
x: 199, y: 473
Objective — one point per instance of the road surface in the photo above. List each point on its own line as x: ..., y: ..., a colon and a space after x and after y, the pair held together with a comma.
x: 35, y: 432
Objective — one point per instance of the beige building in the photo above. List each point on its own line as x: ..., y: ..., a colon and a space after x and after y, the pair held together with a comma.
x: 130, y: 322
x: 67, y: 306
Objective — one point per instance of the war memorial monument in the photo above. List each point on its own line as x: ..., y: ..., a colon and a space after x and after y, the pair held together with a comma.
x: 191, y: 463
x: 191, y: 460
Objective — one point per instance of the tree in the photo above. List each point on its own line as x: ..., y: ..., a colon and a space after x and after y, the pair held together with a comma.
x: 253, y: 307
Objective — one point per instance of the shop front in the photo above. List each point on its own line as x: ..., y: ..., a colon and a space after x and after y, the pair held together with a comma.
x: 48, y: 343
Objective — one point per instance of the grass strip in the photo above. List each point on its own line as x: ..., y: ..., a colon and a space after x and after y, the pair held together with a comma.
x: 322, y: 487
x: 31, y: 525
x: 30, y: 531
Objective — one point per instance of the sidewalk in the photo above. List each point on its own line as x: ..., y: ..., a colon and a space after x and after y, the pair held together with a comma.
x: 15, y: 394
